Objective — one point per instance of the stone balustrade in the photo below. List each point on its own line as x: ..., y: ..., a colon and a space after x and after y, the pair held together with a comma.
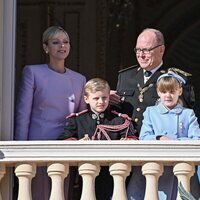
x: 89, y: 156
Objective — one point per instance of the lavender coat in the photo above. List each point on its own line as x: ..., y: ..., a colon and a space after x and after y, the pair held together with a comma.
x: 45, y: 98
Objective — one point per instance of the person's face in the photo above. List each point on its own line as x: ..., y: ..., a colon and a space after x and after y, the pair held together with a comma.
x: 170, y: 98
x: 98, y: 101
x: 149, y: 60
x: 58, y: 47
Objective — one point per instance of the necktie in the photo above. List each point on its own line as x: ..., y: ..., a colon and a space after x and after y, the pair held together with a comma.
x: 147, y: 73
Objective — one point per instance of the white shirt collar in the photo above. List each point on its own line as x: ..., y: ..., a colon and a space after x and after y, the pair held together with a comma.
x: 152, y: 71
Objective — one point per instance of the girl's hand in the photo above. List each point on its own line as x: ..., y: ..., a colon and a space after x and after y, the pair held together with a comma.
x: 165, y: 138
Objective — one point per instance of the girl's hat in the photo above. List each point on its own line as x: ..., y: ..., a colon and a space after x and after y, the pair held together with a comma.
x: 173, y: 75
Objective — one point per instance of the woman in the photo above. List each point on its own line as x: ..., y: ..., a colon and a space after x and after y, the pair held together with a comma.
x: 47, y: 94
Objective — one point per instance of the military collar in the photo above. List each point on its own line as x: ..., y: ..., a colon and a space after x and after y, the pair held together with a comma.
x: 98, y: 116
x: 156, y: 68
x: 152, y: 70
x: 155, y: 74
x: 176, y: 110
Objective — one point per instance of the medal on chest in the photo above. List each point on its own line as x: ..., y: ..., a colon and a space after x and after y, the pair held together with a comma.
x: 142, y: 91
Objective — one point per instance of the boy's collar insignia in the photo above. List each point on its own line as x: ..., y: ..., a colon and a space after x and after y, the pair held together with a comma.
x: 98, y: 116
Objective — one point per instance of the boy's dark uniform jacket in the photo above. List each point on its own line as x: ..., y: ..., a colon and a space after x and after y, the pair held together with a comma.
x: 86, y: 122
x: 136, y: 95
x: 79, y: 124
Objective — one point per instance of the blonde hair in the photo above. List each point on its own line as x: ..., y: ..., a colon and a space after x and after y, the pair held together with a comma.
x: 95, y: 85
x: 50, y: 32
x: 168, y: 84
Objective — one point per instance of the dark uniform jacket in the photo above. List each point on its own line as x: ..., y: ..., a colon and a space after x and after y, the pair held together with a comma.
x: 79, y: 124
x: 86, y: 122
x: 136, y: 95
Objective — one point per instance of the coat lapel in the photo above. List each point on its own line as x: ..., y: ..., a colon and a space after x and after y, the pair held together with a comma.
x: 140, y: 77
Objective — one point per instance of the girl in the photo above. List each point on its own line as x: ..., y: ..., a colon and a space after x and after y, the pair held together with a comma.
x: 169, y: 120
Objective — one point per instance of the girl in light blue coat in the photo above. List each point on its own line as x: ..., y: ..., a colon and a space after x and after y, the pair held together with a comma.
x: 178, y: 123
x: 167, y: 120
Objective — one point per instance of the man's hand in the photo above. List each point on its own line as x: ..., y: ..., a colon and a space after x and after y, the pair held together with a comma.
x: 114, y: 97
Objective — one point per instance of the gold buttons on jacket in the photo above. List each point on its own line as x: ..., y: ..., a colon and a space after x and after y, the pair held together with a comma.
x: 136, y: 120
x: 138, y: 109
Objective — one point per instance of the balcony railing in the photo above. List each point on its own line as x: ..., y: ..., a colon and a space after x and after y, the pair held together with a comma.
x: 24, y: 156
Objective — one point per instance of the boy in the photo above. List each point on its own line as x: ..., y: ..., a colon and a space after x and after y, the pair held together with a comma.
x: 99, y: 123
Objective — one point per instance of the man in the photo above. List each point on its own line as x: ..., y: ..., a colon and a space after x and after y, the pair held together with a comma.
x: 136, y: 87
x: 136, y: 90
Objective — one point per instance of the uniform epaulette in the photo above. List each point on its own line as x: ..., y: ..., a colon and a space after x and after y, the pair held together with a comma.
x: 177, y: 70
x: 131, y: 67
x: 76, y: 114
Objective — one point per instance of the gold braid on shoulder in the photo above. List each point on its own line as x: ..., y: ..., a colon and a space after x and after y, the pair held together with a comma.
x: 177, y: 70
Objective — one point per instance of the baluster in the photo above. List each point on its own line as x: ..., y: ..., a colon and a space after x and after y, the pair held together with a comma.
x: 25, y: 173
x: 152, y: 172
x: 183, y: 172
x: 2, y: 172
x: 88, y: 171
x: 119, y: 171
x: 57, y: 172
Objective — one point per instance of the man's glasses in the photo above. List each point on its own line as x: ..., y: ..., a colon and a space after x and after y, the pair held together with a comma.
x: 146, y: 51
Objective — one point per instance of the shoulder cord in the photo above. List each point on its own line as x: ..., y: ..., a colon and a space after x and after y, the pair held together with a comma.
x: 101, y: 129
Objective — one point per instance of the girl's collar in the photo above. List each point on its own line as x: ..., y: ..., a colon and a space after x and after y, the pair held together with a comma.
x: 163, y: 109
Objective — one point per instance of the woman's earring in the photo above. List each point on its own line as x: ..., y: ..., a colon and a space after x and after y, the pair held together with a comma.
x: 46, y: 52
